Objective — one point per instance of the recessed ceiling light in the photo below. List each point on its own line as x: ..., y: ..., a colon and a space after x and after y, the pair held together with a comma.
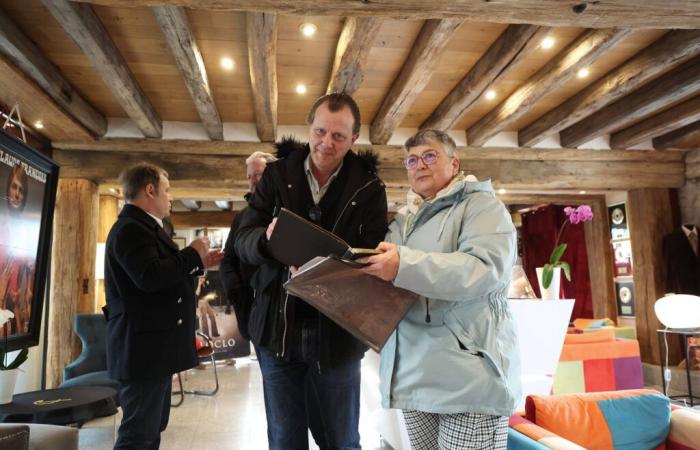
x: 502, y: 191
x: 227, y: 63
x: 308, y: 29
x: 301, y: 88
x: 490, y: 95
x: 114, y: 190
x: 39, y: 124
x: 547, y: 42
x: 581, y: 192
x: 583, y: 73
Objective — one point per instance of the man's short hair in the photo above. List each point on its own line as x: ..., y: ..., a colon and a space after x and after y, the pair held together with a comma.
x: 428, y: 136
x: 260, y: 155
x: 337, y: 101
x: 138, y: 176
x: 18, y: 173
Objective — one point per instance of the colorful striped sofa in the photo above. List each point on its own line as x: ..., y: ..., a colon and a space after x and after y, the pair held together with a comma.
x: 596, y: 362
x: 639, y: 419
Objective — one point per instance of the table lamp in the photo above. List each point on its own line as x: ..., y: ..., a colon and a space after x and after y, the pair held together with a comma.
x: 678, y: 311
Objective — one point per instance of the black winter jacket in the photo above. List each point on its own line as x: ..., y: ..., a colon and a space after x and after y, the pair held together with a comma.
x: 354, y: 208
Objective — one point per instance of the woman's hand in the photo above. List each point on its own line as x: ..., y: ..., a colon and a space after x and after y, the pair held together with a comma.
x: 385, y: 265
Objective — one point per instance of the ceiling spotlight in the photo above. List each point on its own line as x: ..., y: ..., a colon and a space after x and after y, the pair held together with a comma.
x: 227, y: 63
x: 308, y: 29
x: 301, y: 89
x: 581, y: 192
x: 502, y: 191
x: 583, y: 73
x: 547, y: 42
x: 490, y: 95
x: 39, y: 124
x: 114, y: 190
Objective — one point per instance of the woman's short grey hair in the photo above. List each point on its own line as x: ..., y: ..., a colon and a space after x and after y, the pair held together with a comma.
x: 429, y: 136
x: 260, y: 155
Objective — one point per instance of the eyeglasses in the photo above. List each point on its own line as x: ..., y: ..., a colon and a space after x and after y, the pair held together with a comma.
x: 428, y: 158
x: 315, y: 214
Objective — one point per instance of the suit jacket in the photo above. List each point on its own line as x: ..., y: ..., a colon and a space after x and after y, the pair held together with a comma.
x: 150, y: 307
x: 682, y: 265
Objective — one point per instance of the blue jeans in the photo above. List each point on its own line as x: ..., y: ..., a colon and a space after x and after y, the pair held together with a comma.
x: 298, y: 397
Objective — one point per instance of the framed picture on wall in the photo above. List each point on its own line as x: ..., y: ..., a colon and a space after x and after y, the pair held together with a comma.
x: 619, y: 228
x: 29, y: 181
x: 624, y: 290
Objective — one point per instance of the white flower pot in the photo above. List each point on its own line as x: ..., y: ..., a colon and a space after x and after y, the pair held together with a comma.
x: 552, y: 292
x: 8, y: 379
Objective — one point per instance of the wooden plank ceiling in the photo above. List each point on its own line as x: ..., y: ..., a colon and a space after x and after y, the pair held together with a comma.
x: 75, y: 65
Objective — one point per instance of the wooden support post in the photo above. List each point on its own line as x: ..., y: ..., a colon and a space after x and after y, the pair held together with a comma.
x: 650, y: 218
x: 109, y: 209
x: 600, y: 262
x: 72, y: 271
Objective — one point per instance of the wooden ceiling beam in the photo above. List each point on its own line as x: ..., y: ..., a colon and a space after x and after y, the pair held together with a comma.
x: 503, y: 54
x: 23, y: 53
x: 588, y: 47
x: 674, y: 86
x: 168, y: 146
x: 83, y: 26
x: 414, y: 76
x: 679, y: 138
x: 672, y: 49
x: 659, y: 124
x: 35, y: 103
x: 354, y: 45
x: 261, y: 29
x: 201, y: 219
x: 514, y: 168
x: 183, y: 45
x: 601, y: 14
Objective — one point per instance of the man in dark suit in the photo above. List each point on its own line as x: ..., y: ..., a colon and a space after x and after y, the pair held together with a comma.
x: 150, y: 307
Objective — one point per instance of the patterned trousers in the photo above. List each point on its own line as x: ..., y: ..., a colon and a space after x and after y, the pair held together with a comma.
x: 429, y: 431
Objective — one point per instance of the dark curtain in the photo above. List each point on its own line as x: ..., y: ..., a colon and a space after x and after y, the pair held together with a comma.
x: 539, y: 234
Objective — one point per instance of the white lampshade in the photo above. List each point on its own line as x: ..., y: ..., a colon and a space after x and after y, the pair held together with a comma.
x: 678, y: 311
x: 100, y: 261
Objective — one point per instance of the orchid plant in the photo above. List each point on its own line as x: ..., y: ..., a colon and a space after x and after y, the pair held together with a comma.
x: 6, y: 315
x: 573, y: 215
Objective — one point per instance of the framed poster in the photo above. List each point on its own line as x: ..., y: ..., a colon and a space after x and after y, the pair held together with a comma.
x: 622, y: 251
x: 619, y: 228
x: 217, y: 319
x: 26, y: 218
x: 624, y: 290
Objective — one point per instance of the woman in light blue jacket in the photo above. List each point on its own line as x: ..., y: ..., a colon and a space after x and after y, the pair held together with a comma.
x: 453, y: 364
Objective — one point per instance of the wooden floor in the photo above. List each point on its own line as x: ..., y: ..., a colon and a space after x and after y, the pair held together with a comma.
x: 234, y: 418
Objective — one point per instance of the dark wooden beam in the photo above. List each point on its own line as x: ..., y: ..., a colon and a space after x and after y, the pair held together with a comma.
x: 83, y: 26
x: 504, y: 53
x: 588, y: 47
x: 678, y: 138
x: 201, y: 219
x: 354, y: 44
x: 668, y: 89
x: 659, y: 124
x: 178, y: 34
x: 261, y: 29
x: 572, y: 13
x: 534, y: 169
x: 414, y: 76
x: 672, y: 49
x: 17, y: 48
x: 169, y: 146
x: 36, y: 104
x: 692, y: 165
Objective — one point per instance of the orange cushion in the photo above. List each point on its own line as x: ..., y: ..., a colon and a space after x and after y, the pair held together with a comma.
x: 621, y: 348
x: 588, y: 338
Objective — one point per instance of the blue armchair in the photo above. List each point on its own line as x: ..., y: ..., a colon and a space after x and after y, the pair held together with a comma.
x: 90, y: 368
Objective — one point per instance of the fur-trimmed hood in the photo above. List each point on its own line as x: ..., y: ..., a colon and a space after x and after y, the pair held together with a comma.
x: 288, y: 144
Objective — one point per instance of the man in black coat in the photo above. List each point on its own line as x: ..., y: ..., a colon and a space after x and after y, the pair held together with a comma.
x: 310, y: 365
x: 235, y: 275
x: 150, y: 307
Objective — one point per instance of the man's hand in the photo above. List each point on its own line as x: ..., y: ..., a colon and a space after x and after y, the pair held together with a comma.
x: 201, y: 245
x: 385, y: 265
x: 213, y: 258
x: 271, y: 228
